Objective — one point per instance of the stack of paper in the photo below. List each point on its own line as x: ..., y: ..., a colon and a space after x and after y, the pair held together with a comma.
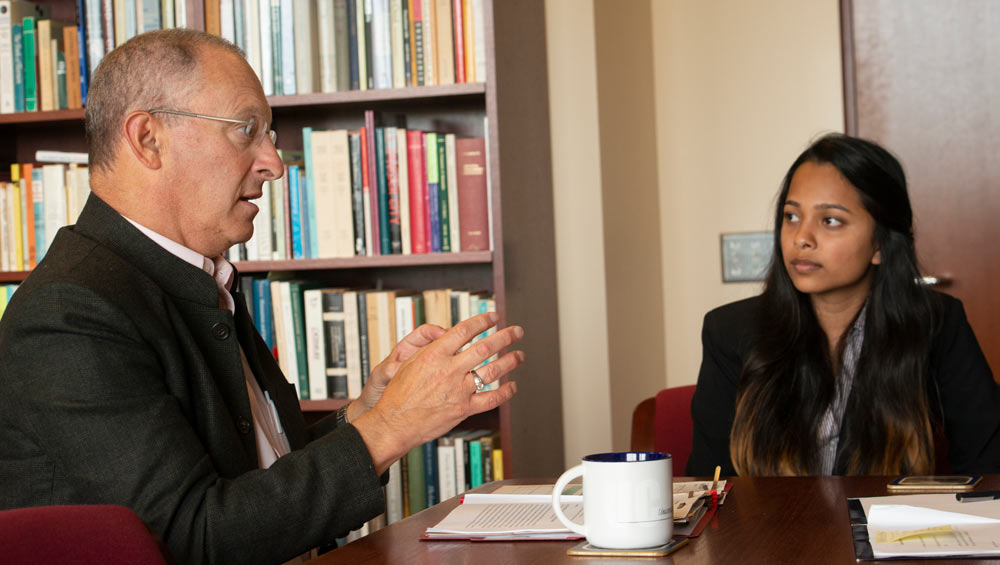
x: 932, y: 525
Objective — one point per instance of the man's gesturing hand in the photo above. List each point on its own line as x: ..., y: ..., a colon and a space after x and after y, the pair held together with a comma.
x: 432, y: 389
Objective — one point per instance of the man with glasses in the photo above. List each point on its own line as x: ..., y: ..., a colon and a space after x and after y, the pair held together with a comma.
x: 130, y: 371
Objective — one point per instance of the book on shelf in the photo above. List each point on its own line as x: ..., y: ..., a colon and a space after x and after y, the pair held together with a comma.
x: 445, y: 52
x: 394, y: 494
x: 286, y: 29
x: 417, y: 180
x: 307, y: 56
x: 473, y: 206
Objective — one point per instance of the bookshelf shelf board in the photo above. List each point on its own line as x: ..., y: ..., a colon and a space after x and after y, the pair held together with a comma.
x: 13, y: 276
x: 42, y: 117
x: 467, y: 257
x: 325, y: 405
x: 366, y: 262
x: 317, y: 99
x: 379, y: 95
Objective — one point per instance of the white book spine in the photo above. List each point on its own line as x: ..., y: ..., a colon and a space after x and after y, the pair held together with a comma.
x: 396, y: 40
x: 380, y: 47
x: 327, y: 46
x: 459, y: 465
x: 262, y: 225
x: 315, y: 346
x: 180, y: 13
x: 342, y: 217
x: 95, y: 39
x: 288, y: 82
x: 404, y: 191
x: 266, y: 64
x: 306, y: 52
x: 479, y: 39
x: 404, y: 316
x: 132, y: 19
x: 394, y: 494
x: 288, y: 320
x: 6, y: 60
x: 451, y: 168
x: 251, y: 36
x: 54, y: 179
x: 47, y: 156
x: 83, y: 191
x: 352, y: 344
x: 446, y: 471
x: 227, y: 21
x: 169, y: 21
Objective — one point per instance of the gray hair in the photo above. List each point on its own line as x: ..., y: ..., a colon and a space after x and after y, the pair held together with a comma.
x: 149, y: 71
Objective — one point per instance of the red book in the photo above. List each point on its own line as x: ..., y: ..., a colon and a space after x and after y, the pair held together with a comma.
x: 28, y: 202
x: 419, y: 214
x: 457, y: 18
x: 473, y: 199
x: 366, y: 185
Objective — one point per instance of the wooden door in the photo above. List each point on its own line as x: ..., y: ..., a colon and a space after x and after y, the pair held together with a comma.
x: 922, y: 77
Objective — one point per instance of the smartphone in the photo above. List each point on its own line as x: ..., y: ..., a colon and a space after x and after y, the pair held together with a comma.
x: 934, y: 483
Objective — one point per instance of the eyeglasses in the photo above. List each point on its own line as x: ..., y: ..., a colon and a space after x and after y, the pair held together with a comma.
x: 255, y: 132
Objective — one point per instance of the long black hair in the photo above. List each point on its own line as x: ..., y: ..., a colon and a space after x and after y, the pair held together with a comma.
x: 789, y: 379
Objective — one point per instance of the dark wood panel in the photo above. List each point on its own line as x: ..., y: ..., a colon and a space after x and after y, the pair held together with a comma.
x: 926, y: 84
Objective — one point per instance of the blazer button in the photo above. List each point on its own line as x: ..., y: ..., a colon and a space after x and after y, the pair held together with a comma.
x: 220, y: 331
x: 244, y: 425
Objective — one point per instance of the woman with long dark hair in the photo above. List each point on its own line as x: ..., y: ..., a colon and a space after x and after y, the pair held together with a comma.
x: 845, y: 364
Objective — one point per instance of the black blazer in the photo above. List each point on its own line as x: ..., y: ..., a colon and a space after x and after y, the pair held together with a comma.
x: 121, y: 383
x: 969, y: 398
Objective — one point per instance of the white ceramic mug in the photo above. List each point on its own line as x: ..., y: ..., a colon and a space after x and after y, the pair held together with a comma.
x: 627, y: 499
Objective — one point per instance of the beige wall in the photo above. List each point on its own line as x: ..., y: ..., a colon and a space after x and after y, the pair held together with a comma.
x: 579, y: 227
x: 742, y: 87
x: 737, y: 91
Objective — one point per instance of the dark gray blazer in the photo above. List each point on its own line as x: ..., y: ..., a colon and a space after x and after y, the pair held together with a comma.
x: 121, y: 383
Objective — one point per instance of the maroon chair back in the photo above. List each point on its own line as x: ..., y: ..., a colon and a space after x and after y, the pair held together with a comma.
x: 663, y: 423
x: 672, y: 425
x: 109, y: 535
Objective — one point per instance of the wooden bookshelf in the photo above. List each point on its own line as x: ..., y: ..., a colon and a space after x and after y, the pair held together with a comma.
x: 519, y: 271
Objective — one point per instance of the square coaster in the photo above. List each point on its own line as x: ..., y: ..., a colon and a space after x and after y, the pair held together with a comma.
x: 585, y: 549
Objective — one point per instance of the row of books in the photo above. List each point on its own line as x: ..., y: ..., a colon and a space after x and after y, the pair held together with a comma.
x: 374, y: 191
x: 45, y: 64
x: 327, y: 340
x: 38, y: 201
x: 6, y: 292
x: 307, y: 46
x: 436, y: 471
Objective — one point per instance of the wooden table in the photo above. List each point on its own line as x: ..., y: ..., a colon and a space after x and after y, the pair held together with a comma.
x: 764, y: 520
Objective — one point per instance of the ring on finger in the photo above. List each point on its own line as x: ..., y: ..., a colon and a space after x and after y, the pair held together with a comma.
x: 480, y: 385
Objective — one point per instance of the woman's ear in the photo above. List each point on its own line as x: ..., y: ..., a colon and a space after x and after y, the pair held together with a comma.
x: 877, y: 257
x: 142, y: 134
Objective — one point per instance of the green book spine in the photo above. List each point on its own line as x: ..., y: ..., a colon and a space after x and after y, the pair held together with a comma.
x: 475, y: 463
x: 383, y: 193
x: 443, y: 194
x: 61, y: 79
x: 30, y: 73
x: 415, y: 479
x: 299, y: 323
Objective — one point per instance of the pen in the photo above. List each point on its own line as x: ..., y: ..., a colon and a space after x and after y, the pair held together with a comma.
x: 715, y: 487
x: 977, y: 496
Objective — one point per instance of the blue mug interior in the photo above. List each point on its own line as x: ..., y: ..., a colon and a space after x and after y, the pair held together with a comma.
x: 627, y: 457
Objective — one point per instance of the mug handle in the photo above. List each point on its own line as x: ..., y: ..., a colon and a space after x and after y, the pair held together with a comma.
x: 564, y: 479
